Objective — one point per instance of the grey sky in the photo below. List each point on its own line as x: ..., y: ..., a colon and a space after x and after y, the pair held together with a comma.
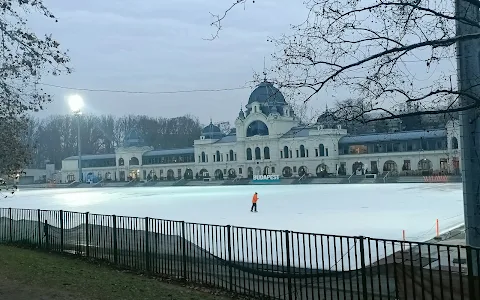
x: 153, y: 45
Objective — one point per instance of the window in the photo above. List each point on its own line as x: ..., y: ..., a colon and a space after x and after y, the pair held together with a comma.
x: 285, y: 151
x: 249, y: 155
x: 291, y: 155
x: 357, y: 149
x: 406, y: 165
x: 239, y: 170
x: 204, y: 159
x: 316, y: 152
x: 218, y: 156
x: 266, y: 153
x: 235, y: 157
x: 326, y: 151
x: 454, y: 143
x: 179, y: 173
x: 302, y: 151
x: 231, y: 155
x: 322, y: 150
x: 306, y: 151
x: 297, y: 154
x: 257, y: 128
x: 443, y: 164
x: 121, y: 162
x: 257, y: 153
x: 273, y: 170
x: 281, y: 154
x: 294, y: 169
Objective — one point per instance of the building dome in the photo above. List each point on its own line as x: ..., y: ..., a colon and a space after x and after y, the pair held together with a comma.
x: 133, y: 139
x: 212, y: 131
x: 265, y: 93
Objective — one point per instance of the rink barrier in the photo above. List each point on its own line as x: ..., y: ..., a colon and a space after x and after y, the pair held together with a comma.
x: 259, y: 263
x: 436, y: 179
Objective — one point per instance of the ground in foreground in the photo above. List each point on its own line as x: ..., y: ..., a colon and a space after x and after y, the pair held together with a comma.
x: 28, y: 274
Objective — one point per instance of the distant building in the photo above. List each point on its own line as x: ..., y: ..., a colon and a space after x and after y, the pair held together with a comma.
x: 269, y: 139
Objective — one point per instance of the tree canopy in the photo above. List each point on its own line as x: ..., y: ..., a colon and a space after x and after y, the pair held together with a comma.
x: 25, y: 58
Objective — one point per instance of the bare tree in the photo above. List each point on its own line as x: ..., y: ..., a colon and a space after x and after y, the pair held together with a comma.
x: 25, y: 57
x: 386, y: 52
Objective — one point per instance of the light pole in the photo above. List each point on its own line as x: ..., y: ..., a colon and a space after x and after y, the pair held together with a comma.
x: 76, y: 104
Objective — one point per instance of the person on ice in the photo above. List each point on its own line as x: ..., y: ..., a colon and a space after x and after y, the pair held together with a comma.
x: 254, y: 202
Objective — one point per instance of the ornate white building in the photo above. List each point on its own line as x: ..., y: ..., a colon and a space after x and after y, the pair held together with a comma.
x: 269, y: 139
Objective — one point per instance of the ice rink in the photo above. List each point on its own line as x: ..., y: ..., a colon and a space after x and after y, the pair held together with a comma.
x: 372, y: 210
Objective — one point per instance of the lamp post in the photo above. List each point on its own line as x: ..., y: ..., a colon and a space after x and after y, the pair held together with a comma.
x: 76, y: 104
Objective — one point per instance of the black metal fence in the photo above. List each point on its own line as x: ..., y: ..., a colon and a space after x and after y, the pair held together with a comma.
x: 269, y: 264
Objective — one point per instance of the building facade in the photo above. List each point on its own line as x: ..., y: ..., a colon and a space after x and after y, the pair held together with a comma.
x: 269, y: 138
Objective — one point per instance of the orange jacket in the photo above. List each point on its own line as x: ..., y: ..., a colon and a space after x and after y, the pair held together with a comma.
x: 255, y: 198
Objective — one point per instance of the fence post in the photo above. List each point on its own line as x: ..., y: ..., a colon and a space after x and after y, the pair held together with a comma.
x: 147, y: 252
x: 115, y: 254
x: 363, y: 269
x: 39, y: 229
x: 470, y: 268
x: 87, y: 238
x: 61, y: 231
x: 230, y: 273
x: 289, y: 274
x: 184, y: 252
x: 10, y: 218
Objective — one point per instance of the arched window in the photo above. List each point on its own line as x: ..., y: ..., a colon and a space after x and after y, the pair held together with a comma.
x: 121, y: 162
x: 203, y: 157
x: 231, y: 155
x: 322, y: 150
x: 257, y: 153
x: 302, y: 151
x: 134, y: 161
x: 249, y: 154
x: 266, y: 153
x: 285, y: 152
x: 257, y: 128
x: 218, y: 155
x: 454, y: 143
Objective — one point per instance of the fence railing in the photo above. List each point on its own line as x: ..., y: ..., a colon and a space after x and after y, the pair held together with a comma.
x: 270, y: 264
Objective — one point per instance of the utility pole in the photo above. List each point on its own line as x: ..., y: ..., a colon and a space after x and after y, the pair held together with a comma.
x: 468, y: 72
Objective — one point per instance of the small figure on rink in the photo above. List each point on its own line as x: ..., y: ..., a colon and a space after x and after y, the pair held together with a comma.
x: 254, y: 202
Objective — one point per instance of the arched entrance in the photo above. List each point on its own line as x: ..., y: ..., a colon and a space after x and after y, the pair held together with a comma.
x: 203, y: 173
x: 287, y: 172
x: 266, y: 170
x: 258, y: 171
x: 218, y: 174
x: 170, y: 174
x: 390, y: 166
x: 188, y: 174
x: 322, y: 170
x: 357, y: 168
x: 250, y: 172
x: 134, y: 175
x: 134, y: 161
x: 302, y: 171
x: 425, y: 166
x: 232, y: 173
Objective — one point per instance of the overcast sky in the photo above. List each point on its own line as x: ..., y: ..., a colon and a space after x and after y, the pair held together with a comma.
x: 153, y: 45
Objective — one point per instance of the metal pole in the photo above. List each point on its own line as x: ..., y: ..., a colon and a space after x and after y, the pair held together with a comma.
x: 468, y: 73
x: 79, y: 143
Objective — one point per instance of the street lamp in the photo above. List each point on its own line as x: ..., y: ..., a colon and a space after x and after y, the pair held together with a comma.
x: 76, y: 104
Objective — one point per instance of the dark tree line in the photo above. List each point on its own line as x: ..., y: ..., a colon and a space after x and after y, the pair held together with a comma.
x: 55, y: 138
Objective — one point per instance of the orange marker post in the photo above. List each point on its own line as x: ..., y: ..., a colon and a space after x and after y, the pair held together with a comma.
x: 437, y: 230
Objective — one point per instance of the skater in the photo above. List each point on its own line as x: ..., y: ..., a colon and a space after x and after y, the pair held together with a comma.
x: 254, y: 202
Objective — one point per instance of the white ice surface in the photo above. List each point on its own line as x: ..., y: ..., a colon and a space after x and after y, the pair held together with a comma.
x: 372, y: 210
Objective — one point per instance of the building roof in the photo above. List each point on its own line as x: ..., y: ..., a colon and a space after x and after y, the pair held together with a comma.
x: 227, y: 139
x: 397, y: 136
x: 170, y: 152
x: 265, y: 92
x: 301, y: 131
x: 92, y: 156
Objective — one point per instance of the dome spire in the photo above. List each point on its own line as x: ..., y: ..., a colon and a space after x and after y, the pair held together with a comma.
x: 264, y: 70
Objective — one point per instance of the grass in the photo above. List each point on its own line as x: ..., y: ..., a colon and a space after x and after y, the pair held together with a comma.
x: 29, y: 274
